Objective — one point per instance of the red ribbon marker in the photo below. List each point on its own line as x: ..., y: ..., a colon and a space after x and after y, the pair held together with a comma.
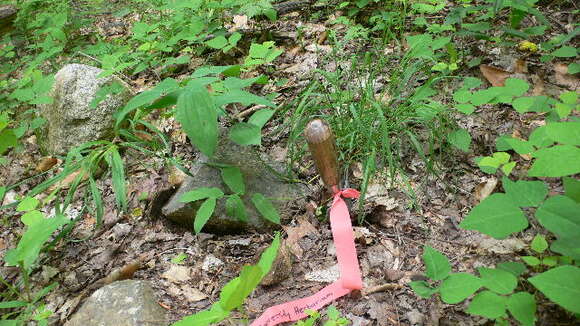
x: 321, y: 144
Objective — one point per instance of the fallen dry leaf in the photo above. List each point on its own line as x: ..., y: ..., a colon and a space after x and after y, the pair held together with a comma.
x: 67, y: 181
x: 521, y: 66
x: 495, y: 76
x: 46, y: 163
x: 484, y: 189
x: 563, y: 78
x: 539, y: 87
x: 296, y: 233
x: 240, y: 22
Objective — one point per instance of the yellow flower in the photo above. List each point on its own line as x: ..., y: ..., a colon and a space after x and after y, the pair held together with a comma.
x: 528, y: 46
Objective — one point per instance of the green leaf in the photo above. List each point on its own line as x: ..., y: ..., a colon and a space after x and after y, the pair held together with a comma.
x: 97, y: 200
x: 217, y: 42
x: 516, y: 87
x: 561, y: 285
x: 567, y: 133
x: 465, y: 108
x: 550, y: 261
x: 488, y: 305
x: 243, y: 133
x: 203, y: 318
x: 571, y: 188
x: 233, y: 177
x: 494, y: 161
x: 201, y: 193
x: 508, y: 167
x: 197, y: 113
x: 497, y: 280
x: 525, y: 193
x: 179, y: 258
x: 569, y: 97
x: 235, y: 208
x: 539, y: 244
x: 515, y: 268
x: 574, y: 68
x: 423, y: 289
x: 559, y: 214
x: 2, y: 193
x: 203, y: 214
x: 27, y: 204
x: 460, y: 138
x: 522, y: 306
x: 520, y: 146
x: 32, y: 241
x: 567, y: 247
x: 458, y: 286
x: 259, y: 118
x: 265, y: 207
x: 523, y: 104
x: 12, y: 304
x: 496, y: 216
x: 539, y: 137
x: 565, y: 52
x: 118, y: 177
x: 531, y: 260
x: 462, y: 96
x: 556, y: 161
x: 7, y: 140
x: 436, y: 264
x: 269, y: 255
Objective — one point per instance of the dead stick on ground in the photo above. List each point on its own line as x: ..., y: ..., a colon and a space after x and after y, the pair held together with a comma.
x: 381, y: 288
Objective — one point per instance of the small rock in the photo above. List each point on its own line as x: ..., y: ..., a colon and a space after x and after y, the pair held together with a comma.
x: 281, y: 268
x: 7, y: 16
x: 48, y: 272
x: 211, y: 262
x: 71, y: 120
x: 378, y: 256
x: 258, y: 178
x: 415, y: 317
x: 502, y: 247
x: 122, y: 303
x: 121, y: 229
x: 240, y: 242
x: 193, y: 294
x: 177, y: 273
x: 327, y: 275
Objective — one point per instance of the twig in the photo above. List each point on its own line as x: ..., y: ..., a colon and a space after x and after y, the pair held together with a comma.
x: 381, y: 288
x: 246, y: 112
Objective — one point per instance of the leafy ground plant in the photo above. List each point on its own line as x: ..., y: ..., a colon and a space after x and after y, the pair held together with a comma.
x: 235, y: 292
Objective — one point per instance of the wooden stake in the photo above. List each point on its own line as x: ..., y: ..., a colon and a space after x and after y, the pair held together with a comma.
x: 321, y: 143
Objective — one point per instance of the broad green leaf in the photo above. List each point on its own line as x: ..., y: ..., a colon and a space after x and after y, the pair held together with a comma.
x: 27, y: 204
x: 567, y: 133
x: 508, y: 167
x: 565, y: 52
x: 561, y: 285
x: 460, y: 138
x: 571, y: 188
x: 488, y: 305
x: 494, y: 161
x: 436, y: 264
x: 497, y: 280
x: 569, y: 97
x: 539, y: 244
x: 465, y: 108
x: 423, y: 289
x: 32, y: 241
x: 497, y: 216
x: 523, y: 104
x: 7, y: 140
x: 203, y: 318
x: 235, y: 208
x: 201, y: 193
x: 217, y: 42
x: 243, y: 97
x: 458, y: 286
x: 522, y: 306
x: 243, y: 133
x: 525, y: 193
x: 531, y: 260
x: 520, y: 146
x: 118, y: 177
x: 269, y: 255
x: 567, y: 247
x: 203, y: 214
x: 250, y: 277
x: 265, y: 207
x: 232, y: 176
x: 515, y: 268
x: 539, y: 137
x: 556, y: 161
x: 462, y: 96
x: 197, y: 113
x: 259, y: 118
x: 516, y: 87
x: 560, y: 215
x: 550, y: 261
x: 32, y: 217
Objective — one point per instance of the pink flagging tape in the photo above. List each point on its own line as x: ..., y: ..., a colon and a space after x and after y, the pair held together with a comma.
x: 350, y: 275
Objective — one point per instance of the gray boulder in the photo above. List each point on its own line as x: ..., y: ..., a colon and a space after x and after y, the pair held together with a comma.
x: 122, y: 303
x: 71, y: 119
x: 7, y: 16
x: 261, y: 175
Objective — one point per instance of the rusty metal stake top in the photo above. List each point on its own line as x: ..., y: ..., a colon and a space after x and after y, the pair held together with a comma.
x: 321, y: 143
